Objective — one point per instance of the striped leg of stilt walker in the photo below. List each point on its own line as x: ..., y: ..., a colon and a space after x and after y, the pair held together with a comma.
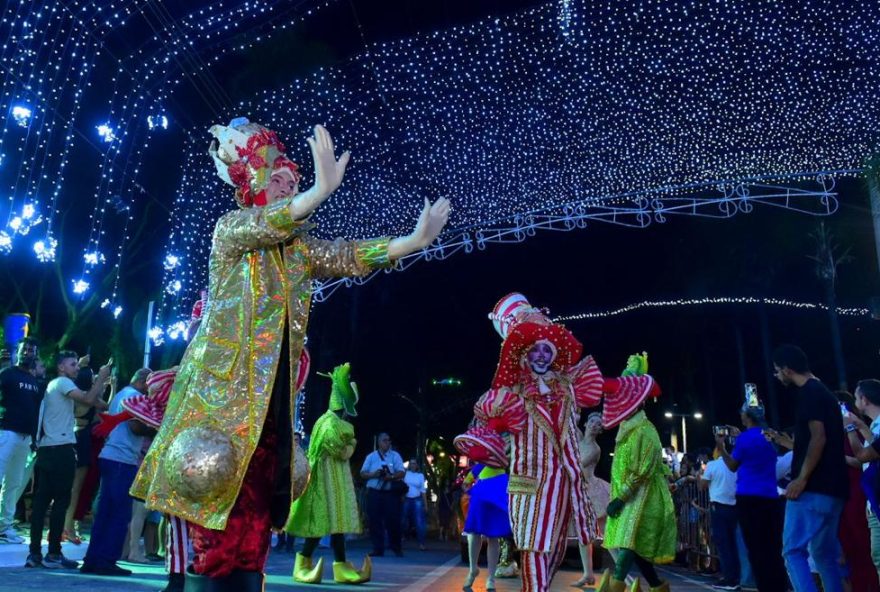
x: 178, y: 545
x: 535, y: 571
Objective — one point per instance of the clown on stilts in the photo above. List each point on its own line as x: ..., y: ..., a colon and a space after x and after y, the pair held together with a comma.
x: 329, y: 504
x: 223, y: 458
x: 539, y: 388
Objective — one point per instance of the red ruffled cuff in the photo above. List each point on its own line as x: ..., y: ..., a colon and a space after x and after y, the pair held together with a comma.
x: 610, y: 385
x: 479, y: 454
x: 498, y: 424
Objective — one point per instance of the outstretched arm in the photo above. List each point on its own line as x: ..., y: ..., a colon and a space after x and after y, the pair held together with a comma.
x: 431, y: 222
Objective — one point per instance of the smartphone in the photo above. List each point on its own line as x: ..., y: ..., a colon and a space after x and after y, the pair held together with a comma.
x: 843, y: 409
x: 752, y: 395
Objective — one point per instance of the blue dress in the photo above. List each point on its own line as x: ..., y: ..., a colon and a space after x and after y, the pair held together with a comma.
x: 487, y: 512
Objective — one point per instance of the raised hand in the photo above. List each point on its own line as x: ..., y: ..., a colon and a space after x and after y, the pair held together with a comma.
x: 429, y: 226
x: 431, y: 222
x: 328, y: 170
x: 328, y: 174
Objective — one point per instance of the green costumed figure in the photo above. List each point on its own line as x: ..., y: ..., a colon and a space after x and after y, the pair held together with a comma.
x: 641, y: 526
x: 329, y: 505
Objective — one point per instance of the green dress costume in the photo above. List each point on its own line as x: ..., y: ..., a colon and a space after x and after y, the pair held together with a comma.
x: 646, y: 524
x: 329, y: 504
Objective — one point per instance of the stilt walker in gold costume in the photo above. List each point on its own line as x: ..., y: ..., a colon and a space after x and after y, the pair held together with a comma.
x: 222, y: 460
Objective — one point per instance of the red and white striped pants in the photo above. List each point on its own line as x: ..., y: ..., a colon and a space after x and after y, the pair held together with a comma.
x: 177, y: 554
x: 538, y: 569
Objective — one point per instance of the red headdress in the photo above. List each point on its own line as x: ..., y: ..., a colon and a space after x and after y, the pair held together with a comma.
x: 521, y: 326
x: 246, y: 155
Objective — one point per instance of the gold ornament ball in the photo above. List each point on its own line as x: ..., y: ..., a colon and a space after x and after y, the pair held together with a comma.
x: 201, y: 463
x: 302, y: 472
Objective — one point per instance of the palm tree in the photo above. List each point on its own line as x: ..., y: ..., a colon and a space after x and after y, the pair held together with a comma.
x: 828, y: 258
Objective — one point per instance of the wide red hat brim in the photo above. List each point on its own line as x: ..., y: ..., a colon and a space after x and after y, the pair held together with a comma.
x: 522, y: 338
x: 149, y: 410
x: 492, y: 442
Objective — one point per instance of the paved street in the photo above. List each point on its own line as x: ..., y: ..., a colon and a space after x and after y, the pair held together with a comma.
x: 438, y: 569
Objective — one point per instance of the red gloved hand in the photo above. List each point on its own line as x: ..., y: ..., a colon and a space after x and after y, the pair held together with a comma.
x: 109, y: 423
x: 498, y: 424
x: 655, y: 390
x: 611, y: 385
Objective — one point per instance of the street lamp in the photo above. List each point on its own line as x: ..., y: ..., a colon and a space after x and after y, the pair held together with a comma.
x: 683, y: 416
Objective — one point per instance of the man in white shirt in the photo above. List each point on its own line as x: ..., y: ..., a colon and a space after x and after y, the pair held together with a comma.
x: 382, y: 468
x: 56, y: 457
x: 721, y: 483
x: 416, y: 500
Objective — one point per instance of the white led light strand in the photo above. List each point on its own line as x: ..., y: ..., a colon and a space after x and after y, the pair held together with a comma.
x: 738, y: 300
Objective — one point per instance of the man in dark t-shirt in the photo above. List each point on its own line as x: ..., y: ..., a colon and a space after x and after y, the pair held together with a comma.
x: 820, y: 485
x: 19, y: 404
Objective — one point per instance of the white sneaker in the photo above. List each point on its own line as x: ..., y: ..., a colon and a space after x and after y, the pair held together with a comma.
x: 11, y: 536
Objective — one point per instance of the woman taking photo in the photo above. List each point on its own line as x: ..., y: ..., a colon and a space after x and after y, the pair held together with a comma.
x: 758, y: 505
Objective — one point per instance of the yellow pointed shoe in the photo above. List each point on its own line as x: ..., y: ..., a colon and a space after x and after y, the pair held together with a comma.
x: 345, y: 573
x: 616, y: 586
x: 636, y: 585
x: 305, y: 573
x: 366, y: 570
x: 664, y: 587
x: 604, y: 582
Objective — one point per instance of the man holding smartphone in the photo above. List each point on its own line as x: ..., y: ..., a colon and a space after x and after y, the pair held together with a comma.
x: 820, y: 487
x: 56, y: 456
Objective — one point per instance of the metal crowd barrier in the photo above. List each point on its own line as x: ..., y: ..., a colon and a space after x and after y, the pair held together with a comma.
x: 695, y: 547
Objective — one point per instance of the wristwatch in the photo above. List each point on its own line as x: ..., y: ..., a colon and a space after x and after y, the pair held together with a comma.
x: 851, y: 427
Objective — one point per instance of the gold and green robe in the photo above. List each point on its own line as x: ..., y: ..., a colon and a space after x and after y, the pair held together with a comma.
x: 638, y: 477
x: 329, y: 504
x: 261, y: 268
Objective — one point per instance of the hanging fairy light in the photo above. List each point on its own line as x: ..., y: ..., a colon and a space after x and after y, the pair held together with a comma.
x: 106, y: 131
x: 177, y: 330
x: 157, y: 121
x: 45, y: 250
x: 80, y: 286
x: 5, y: 242
x: 171, y: 262
x: 21, y: 114
x: 94, y: 258
x: 157, y: 335
x: 739, y: 300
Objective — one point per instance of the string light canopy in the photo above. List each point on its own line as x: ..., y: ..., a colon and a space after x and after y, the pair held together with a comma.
x: 618, y: 111
x: 57, y: 58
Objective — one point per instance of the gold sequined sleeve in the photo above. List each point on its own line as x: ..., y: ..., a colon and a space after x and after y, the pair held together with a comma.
x: 254, y: 228
x: 341, y: 258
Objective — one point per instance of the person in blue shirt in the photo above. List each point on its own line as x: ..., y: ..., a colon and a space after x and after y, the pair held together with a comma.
x: 758, y: 505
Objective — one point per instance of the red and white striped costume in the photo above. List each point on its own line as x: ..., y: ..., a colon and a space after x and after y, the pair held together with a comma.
x: 177, y: 549
x: 541, y: 411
